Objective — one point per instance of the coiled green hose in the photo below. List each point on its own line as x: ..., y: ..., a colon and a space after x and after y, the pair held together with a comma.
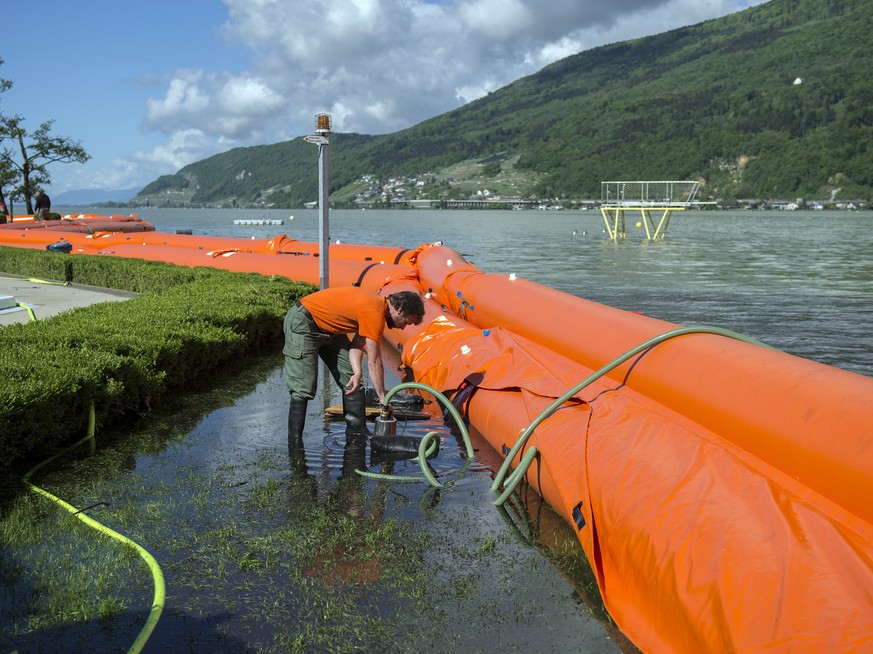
x: 157, y: 574
x: 516, y: 477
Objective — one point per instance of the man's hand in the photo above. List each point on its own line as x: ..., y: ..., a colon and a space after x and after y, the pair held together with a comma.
x: 386, y: 410
x: 354, y: 383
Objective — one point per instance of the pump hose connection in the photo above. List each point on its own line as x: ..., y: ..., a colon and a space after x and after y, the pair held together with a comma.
x: 510, y: 481
x: 429, y: 443
x: 157, y: 574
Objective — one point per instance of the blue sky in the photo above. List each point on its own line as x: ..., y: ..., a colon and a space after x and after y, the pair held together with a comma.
x: 149, y: 87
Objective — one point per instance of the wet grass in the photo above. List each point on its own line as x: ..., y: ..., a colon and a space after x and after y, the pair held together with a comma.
x: 262, y: 554
x: 59, y: 573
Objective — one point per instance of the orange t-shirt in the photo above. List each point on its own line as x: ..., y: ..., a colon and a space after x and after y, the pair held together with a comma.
x: 347, y: 310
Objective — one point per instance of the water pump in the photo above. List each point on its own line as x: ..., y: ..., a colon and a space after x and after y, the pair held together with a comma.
x: 386, y: 423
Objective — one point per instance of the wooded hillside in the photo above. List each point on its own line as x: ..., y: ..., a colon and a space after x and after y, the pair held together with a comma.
x: 772, y: 102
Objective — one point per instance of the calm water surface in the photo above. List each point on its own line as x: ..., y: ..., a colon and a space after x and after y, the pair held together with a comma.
x: 800, y: 281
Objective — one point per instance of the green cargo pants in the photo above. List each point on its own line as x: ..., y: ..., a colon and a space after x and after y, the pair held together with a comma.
x: 304, y: 344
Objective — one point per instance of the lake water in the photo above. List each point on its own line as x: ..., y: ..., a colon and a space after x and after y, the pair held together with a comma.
x: 800, y: 281
x: 209, y: 486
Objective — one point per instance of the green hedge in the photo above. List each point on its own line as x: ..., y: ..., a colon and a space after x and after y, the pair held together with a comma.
x: 185, y: 323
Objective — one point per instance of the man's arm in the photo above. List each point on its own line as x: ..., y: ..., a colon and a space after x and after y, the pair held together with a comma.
x: 356, y: 358
x: 375, y: 367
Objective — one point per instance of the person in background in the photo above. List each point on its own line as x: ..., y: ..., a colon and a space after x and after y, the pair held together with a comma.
x: 4, y: 212
x: 43, y: 208
x: 339, y: 325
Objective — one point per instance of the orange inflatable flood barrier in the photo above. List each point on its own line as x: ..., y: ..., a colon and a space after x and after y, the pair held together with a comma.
x: 95, y: 234
x: 302, y: 268
x: 84, y: 223
x: 719, y: 488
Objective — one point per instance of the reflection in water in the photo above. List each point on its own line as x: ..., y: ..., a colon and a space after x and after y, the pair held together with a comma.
x: 342, y: 562
x: 349, y: 563
x: 296, y: 449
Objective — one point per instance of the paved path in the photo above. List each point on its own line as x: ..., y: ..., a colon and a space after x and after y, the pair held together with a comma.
x: 48, y: 299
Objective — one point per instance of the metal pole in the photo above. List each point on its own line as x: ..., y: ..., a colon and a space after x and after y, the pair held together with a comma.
x: 320, y: 139
x: 324, y: 224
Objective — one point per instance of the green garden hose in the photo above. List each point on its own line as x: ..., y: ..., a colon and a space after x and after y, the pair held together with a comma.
x: 29, y: 311
x: 157, y: 574
x: 423, y: 448
x: 519, y: 473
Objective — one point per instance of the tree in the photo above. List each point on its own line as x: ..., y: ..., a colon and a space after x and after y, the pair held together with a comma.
x: 7, y: 174
x: 35, y: 151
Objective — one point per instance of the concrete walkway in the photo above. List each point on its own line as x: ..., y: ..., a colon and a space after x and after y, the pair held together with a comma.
x: 47, y: 299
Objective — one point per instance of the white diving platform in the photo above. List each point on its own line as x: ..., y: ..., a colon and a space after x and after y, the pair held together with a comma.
x: 646, y: 197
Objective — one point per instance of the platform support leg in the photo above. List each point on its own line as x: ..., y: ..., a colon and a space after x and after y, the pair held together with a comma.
x: 614, y: 219
x: 656, y: 233
x: 661, y: 231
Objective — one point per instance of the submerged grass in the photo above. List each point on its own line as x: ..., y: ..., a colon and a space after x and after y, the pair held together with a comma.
x: 56, y: 572
x: 262, y: 555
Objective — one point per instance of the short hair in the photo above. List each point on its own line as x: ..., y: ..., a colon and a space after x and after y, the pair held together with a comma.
x: 409, y: 304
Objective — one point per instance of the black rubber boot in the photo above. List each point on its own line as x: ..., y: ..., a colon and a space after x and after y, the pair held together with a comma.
x: 355, y: 411
x: 296, y: 420
x: 354, y: 455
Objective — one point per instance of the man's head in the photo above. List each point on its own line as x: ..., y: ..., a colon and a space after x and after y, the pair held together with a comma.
x: 405, y: 308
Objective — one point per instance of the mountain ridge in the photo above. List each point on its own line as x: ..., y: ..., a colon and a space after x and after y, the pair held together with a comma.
x: 773, y: 101
x: 85, y: 197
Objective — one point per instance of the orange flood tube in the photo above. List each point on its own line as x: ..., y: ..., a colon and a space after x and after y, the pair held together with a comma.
x: 100, y: 234
x: 278, y: 245
x: 86, y: 224
x: 778, y: 407
x: 83, y: 243
x: 305, y: 268
x: 779, y: 445
x: 697, y: 546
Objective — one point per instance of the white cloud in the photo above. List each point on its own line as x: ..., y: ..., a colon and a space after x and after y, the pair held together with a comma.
x: 184, y: 147
x: 220, y: 104
x: 183, y: 97
x: 496, y: 19
x: 382, y: 65
x: 137, y: 169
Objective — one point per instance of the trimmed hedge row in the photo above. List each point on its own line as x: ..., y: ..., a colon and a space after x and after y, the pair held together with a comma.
x: 185, y: 323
